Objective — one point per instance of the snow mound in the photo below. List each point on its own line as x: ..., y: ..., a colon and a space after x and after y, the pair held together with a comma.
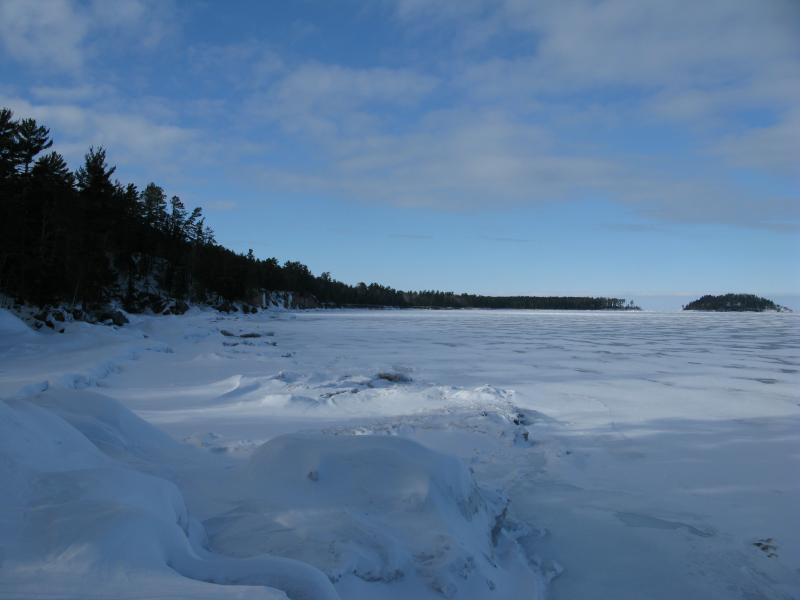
x: 77, y: 522
x: 111, y: 427
x: 11, y: 325
x: 373, y: 509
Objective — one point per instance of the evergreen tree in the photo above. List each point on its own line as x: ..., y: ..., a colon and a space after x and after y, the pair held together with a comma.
x: 9, y: 155
x: 177, y: 219
x: 31, y: 140
x: 96, y: 193
x: 154, y: 206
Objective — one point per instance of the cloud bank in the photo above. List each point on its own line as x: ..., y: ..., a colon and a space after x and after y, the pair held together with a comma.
x: 682, y: 112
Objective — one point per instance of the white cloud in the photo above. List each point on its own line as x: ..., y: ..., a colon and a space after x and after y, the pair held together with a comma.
x: 57, y: 35
x: 146, y: 22
x: 131, y: 139
x: 528, y: 102
x: 610, y: 66
x: 248, y: 64
x: 478, y: 159
x: 455, y: 160
x: 326, y: 100
x: 76, y: 93
x: 44, y: 32
x: 774, y: 147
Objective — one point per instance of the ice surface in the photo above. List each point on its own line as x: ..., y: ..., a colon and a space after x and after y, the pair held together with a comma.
x: 397, y: 454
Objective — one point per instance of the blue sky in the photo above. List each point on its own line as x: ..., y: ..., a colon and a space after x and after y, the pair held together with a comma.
x: 510, y: 147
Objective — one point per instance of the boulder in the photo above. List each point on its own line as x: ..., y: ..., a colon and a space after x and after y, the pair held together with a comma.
x: 394, y: 377
x: 115, y: 316
x: 226, y: 307
x: 157, y: 304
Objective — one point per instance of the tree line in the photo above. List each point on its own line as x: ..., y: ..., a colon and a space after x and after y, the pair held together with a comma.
x: 733, y: 303
x: 82, y: 237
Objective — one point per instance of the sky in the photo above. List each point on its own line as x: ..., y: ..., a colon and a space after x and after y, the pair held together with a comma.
x: 624, y: 147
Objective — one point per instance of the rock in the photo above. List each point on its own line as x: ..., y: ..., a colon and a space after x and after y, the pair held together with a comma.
x: 304, y: 301
x: 115, y: 316
x: 157, y: 305
x: 394, y: 377
x: 226, y: 307
x: 43, y: 318
x: 180, y: 307
x: 132, y: 307
x: 135, y: 303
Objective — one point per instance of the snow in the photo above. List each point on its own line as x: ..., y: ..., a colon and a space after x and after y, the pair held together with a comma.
x: 12, y: 326
x: 396, y: 454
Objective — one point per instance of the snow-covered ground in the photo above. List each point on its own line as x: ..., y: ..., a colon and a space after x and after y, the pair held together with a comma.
x: 402, y: 454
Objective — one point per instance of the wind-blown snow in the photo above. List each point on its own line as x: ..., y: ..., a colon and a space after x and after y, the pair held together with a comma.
x: 397, y: 454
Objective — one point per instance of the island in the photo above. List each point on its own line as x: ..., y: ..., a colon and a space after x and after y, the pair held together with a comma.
x: 734, y: 303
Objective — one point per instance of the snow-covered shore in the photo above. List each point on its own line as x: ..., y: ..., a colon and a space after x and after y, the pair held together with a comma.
x: 397, y: 454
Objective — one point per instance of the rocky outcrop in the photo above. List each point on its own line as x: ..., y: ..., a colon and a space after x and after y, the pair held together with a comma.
x: 289, y: 300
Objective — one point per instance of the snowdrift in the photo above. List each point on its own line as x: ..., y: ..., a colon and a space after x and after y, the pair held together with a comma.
x: 11, y: 325
x: 77, y: 524
x: 373, y: 509
x: 92, y: 507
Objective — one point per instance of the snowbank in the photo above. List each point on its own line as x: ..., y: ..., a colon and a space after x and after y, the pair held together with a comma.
x: 377, y: 509
x: 11, y: 325
x: 86, y: 506
x: 76, y: 523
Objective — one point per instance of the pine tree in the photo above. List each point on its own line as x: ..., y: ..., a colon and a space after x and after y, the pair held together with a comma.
x: 94, y: 177
x: 96, y: 192
x: 31, y: 140
x: 9, y: 155
x: 154, y: 207
x: 49, y: 203
x: 53, y: 169
x: 177, y: 219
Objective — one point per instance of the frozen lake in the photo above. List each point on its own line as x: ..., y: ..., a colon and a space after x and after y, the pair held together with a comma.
x: 642, y: 455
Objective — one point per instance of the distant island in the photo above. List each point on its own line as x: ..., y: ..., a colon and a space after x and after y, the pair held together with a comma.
x: 734, y: 303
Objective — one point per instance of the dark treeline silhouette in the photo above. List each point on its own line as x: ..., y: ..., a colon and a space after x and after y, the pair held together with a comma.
x: 732, y: 303
x: 84, y: 238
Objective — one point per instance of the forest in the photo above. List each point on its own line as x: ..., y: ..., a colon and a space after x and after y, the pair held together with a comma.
x: 82, y: 238
x: 733, y: 303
